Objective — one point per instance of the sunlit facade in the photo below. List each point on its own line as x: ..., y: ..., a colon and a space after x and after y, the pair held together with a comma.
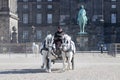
x: 47, y: 15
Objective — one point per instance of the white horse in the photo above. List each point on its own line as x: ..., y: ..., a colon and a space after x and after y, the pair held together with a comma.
x: 47, y: 52
x: 35, y: 48
x: 68, y: 51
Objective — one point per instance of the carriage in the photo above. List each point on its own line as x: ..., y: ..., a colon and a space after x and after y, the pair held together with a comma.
x: 64, y: 53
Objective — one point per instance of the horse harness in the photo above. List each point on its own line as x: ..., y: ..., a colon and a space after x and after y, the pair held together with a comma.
x: 70, y: 49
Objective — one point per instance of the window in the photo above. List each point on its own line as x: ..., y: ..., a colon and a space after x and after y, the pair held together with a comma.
x: 113, y: 6
x: 25, y: 0
x: 39, y: 0
x: 113, y: 0
x: 39, y: 18
x: 25, y: 18
x: 3, y: 4
x: 25, y: 35
x: 49, y: 18
x: 81, y: 0
x: 113, y: 18
x: 39, y: 6
x: 49, y: 6
x: 25, y: 6
x: 49, y: 0
x: 94, y: 18
x: 64, y: 19
x: 39, y: 34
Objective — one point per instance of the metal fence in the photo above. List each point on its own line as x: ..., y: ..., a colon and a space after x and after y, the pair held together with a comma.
x: 16, y: 47
x: 114, y: 49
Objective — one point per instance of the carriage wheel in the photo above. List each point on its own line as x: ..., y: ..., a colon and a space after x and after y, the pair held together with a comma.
x: 73, y: 66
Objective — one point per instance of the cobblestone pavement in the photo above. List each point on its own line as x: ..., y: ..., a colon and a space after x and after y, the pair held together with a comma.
x: 87, y: 67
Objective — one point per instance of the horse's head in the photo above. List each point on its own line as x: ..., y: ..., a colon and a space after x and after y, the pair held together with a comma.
x: 33, y: 43
x: 49, y: 41
x: 66, y: 42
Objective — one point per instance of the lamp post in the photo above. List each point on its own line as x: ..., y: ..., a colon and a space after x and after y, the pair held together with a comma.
x: 102, y: 15
x: 102, y: 22
x: 101, y: 27
x: 70, y: 11
x: 33, y: 33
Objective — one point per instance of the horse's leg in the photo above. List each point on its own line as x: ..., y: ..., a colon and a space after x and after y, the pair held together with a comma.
x: 48, y: 64
x: 35, y: 51
x: 84, y: 27
x: 80, y: 27
x: 44, y: 59
x: 42, y: 66
x: 38, y: 50
x: 69, y: 55
x: 64, y: 59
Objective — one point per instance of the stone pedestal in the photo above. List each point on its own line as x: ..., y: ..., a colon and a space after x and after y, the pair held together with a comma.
x: 82, y: 42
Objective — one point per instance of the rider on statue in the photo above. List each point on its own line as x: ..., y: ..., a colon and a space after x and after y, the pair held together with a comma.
x: 82, y: 20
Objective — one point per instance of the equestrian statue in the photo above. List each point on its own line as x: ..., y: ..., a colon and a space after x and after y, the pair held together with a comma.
x: 82, y: 20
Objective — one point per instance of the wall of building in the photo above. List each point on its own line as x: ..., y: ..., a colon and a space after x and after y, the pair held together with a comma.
x: 4, y: 29
x: 65, y: 15
x: 14, y: 23
x: 8, y: 19
x: 32, y: 11
x: 13, y: 6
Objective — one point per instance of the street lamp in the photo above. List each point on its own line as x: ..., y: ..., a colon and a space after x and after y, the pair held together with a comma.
x: 102, y: 16
x: 102, y: 22
x: 33, y: 33
x: 70, y: 11
x: 101, y: 25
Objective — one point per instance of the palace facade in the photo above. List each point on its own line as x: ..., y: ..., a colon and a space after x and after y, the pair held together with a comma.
x: 39, y: 17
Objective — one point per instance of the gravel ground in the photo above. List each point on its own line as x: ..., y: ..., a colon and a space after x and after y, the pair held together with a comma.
x: 87, y: 67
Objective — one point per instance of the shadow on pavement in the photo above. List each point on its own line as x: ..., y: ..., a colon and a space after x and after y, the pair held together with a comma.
x: 26, y: 71
x: 22, y: 71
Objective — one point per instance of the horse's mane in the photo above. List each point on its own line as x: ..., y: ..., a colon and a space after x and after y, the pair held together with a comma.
x: 49, y: 36
x: 66, y: 36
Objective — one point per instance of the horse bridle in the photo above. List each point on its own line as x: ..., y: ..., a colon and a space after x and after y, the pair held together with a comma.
x: 66, y: 42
